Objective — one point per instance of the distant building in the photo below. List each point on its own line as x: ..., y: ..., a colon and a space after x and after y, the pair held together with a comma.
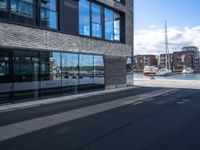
x: 140, y: 61
x: 162, y: 61
x: 188, y: 57
x: 190, y: 48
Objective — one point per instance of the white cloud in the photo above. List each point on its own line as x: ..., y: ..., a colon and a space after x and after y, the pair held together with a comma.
x: 151, y: 40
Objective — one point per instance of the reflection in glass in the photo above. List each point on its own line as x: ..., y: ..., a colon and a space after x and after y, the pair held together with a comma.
x: 129, y: 72
x: 3, y: 4
x: 109, y: 24
x: 117, y: 27
x: 50, y: 70
x: 84, y: 17
x: 98, y: 71
x: 48, y: 14
x: 5, y: 83
x: 96, y: 21
x: 86, y: 73
x: 69, y: 72
x: 26, y: 74
x: 22, y: 7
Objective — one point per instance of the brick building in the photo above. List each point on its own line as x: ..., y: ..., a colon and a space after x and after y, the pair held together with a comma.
x: 140, y: 61
x: 188, y: 57
x: 162, y: 60
x: 60, y: 47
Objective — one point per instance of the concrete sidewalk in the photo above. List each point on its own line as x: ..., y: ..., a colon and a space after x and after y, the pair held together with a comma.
x: 168, y: 83
x: 31, y: 125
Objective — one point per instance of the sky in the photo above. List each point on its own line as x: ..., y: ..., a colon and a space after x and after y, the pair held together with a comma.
x: 183, y: 21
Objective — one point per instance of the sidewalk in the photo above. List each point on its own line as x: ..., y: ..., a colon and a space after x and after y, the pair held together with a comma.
x: 168, y: 83
x: 28, y: 125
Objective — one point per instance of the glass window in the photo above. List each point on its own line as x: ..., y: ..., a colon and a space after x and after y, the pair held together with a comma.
x: 26, y: 74
x: 3, y: 4
x: 22, y: 7
x: 117, y: 27
x: 86, y: 71
x: 5, y: 85
x: 50, y: 73
x: 84, y: 17
x: 109, y: 24
x: 98, y: 71
x: 69, y: 72
x: 48, y: 14
x: 96, y: 21
x: 129, y: 72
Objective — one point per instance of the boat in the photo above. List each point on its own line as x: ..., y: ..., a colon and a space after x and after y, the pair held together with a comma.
x: 150, y: 71
x: 167, y: 70
x: 164, y: 72
x: 188, y: 70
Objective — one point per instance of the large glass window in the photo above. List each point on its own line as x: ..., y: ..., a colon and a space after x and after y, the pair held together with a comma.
x: 26, y: 74
x: 98, y: 71
x: 69, y: 72
x: 22, y: 7
x: 109, y: 24
x: 48, y: 14
x: 86, y: 73
x: 5, y: 85
x: 50, y: 73
x: 96, y: 21
x: 3, y: 4
x: 84, y: 17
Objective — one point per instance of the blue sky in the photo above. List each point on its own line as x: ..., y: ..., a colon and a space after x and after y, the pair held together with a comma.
x: 183, y: 20
x: 178, y: 13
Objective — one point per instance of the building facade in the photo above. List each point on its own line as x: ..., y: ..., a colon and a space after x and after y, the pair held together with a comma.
x: 60, y: 47
x: 188, y: 57
x: 162, y: 61
x: 140, y: 61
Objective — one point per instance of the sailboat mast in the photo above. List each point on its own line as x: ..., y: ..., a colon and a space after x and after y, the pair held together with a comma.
x: 167, y: 62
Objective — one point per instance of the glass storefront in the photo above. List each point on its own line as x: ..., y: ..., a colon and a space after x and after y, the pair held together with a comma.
x: 26, y: 75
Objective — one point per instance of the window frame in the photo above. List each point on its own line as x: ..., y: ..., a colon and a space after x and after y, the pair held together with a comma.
x: 103, y: 7
x: 55, y: 11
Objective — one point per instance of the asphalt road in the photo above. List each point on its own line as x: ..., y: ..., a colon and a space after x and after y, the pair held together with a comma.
x: 170, y: 121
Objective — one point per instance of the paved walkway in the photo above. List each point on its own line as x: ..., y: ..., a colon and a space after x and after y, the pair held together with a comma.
x: 28, y: 126
x: 168, y: 83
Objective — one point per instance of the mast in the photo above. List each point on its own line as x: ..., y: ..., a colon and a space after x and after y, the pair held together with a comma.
x: 166, y: 47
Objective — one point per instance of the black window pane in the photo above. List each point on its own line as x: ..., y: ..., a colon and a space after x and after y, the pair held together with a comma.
x: 26, y: 75
x: 5, y: 83
x: 84, y: 17
x: 3, y: 4
x: 50, y: 73
x: 69, y: 72
x: 86, y: 72
x: 96, y: 21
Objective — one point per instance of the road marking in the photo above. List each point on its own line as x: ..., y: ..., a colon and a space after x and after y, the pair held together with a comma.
x: 32, y: 125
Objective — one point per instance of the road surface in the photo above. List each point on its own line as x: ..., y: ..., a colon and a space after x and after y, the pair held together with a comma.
x: 143, y: 118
